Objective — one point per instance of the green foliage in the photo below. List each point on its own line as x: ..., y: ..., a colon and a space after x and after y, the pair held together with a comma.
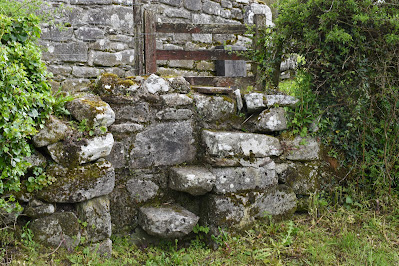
x: 38, y: 180
x: 350, y: 51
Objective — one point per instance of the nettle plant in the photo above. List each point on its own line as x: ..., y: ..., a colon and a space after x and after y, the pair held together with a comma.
x: 26, y: 99
x: 351, y: 53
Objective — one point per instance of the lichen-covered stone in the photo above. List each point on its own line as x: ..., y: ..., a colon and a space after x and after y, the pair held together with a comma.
x: 233, y: 146
x: 54, y: 130
x: 255, y: 102
x: 212, y: 108
x: 167, y: 222
x: 179, y: 84
x: 36, y: 160
x: 37, y: 208
x: 175, y: 99
x: 154, y: 84
x: 237, y: 179
x: 92, y: 108
x: 281, y: 100
x: 174, y: 114
x: 194, y: 180
x: 88, y: 150
x: 163, y: 144
x: 79, y: 183
x: 96, y: 213
x: 302, y: 149
x: 142, y: 190
x: 280, y: 201
x: 271, y: 120
x: 126, y: 128
x: 56, y: 228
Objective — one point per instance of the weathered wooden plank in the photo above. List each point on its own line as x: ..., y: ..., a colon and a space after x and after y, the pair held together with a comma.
x: 234, y: 82
x: 150, y: 42
x: 197, y: 55
x: 201, y: 28
x: 260, y: 21
x: 213, y: 90
x: 138, y: 37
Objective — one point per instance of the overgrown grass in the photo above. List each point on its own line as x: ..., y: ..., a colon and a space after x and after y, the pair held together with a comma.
x: 365, y: 233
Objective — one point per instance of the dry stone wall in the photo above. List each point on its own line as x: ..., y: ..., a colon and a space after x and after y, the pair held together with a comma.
x: 98, y: 36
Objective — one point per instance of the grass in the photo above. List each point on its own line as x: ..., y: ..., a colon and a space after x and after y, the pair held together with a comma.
x: 359, y: 234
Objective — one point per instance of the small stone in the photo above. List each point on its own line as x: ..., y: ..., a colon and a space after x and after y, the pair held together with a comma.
x: 126, y: 128
x: 179, y: 84
x: 154, y: 84
x: 8, y: 218
x: 194, y: 180
x: 240, y: 104
x: 58, y: 228
x: 213, y: 90
x: 36, y: 160
x: 279, y: 201
x: 302, y: 149
x: 36, y: 209
x: 174, y: 114
x: 175, y: 99
x: 271, y: 120
x: 281, y: 100
x: 255, y: 102
x: 142, y: 190
x: 54, y: 130
x: 167, y: 222
x: 211, y: 108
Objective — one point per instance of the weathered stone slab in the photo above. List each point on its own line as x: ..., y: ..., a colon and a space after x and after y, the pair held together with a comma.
x: 96, y: 213
x: 142, y: 190
x: 108, y: 59
x: 270, y: 120
x: 194, y: 180
x: 80, y: 152
x: 163, y: 144
x: 238, y: 179
x: 126, y: 128
x: 37, y: 208
x: 175, y: 99
x: 211, y: 108
x: 167, y: 222
x: 255, y: 102
x: 154, y: 84
x: 92, y: 108
x: 302, y: 149
x: 174, y: 114
x: 213, y: 90
x: 179, y: 84
x: 89, y: 33
x: 79, y: 183
x: 137, y: 112
x: 56, y: 228
x: 227, y: 145
x: 281, y: 100
x: 66, y: 52
x: 54, y: 130
x: 277, y: 202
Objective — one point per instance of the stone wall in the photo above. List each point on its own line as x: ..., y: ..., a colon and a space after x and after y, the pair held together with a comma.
x: 98, y: 36
x: 153, y: 157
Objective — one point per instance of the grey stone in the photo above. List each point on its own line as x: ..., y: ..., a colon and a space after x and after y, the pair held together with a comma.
x: 280, y: 201
x: 9, y: 217
x: 118, y: 156
x: 213, y: 90
x: 211, y: 108
x: 37, y: 208
x: 255, y: 102
x: 119, y: 18
x: 72, y: 153
x: 59, y: 70
x: 56, y: 34
x: 138, y: 112
x: 36, y: 160
x: 66, y: 52
x: 179, y: 84
x: 89, y: 34
x: 240, y: 104
x: 193, y: 5
x: 254, y: 9
x: 281, y: 100
x: 92, y: 108
x: 96, y: 213
x: 177, y: 13
x: 79, y: 183
x: 226, y: 145
x: 167, y: 222
x: 174, y: 114
x: 154, y: 84
x: 54, y: 130
x: 107, y: 59
x: 103, y: 248
x: 232, y: 180
x: 142, y: 190
x: 85, y: 72
x: 202, y: 18
x: 56, y: 228
x: 226, y: 4
x: 75, y: 85
x: 194, y: 180
x: 271, y: 120
x: 302, y: 149
x: 126, y: 128
x: 211, y: 8
x: 203, y: 38
x: 175, y: 99
x: 182, y: 63
x: 237, y: 13
x: 171, y: 2
x: 163, y: 144
x: 91, y: 2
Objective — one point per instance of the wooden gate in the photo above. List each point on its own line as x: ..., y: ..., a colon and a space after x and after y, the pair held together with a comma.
x: 146, y: 63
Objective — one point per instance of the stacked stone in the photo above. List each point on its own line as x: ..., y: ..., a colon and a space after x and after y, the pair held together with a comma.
x: 181, y: 157
x: 76, y: 204
x: 98, y: 36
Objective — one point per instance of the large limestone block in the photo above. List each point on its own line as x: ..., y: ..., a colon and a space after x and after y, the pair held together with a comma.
x: 232, y: 147
x: 175, y: 99
x: 238, y: 179
x: 96, y: 212
x: 302, y: 149
x: 179, y: 84
x: 163, y: 144
x: 54, y: 130
x: 88, y: 150
x: 280, y: 201
x: 194, y: 180
x: 80, y: 183
x: 255, y: 102
x: 91, y: 107
x: 167, y: 222
x: 271, y: 120
x: 154, y: 84
x: 56, y: 228
x: 212, y: 108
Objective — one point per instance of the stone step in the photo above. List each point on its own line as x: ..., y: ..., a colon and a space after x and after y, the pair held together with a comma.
x: 212, y: 90
x: 171, y: 221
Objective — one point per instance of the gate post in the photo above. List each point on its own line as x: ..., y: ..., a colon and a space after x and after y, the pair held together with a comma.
x: 138, y: 37
x: 260, y: 21
x: 150, y: 52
